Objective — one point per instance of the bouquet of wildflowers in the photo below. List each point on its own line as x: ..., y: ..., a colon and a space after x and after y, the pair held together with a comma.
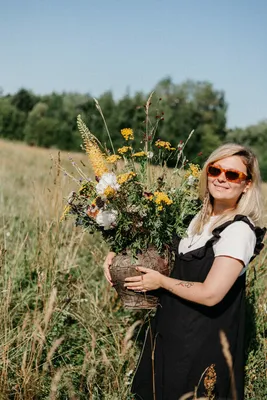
x: 134, y: 199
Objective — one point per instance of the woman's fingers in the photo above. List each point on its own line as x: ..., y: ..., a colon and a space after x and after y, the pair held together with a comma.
x: 111, y: 255
x: 137, y: 289
x: 134, y: 284
x: 107, y: 264
x: 107, y: 276
x: 137, y: 286
x: 134, y: 278
x: 144, y: 269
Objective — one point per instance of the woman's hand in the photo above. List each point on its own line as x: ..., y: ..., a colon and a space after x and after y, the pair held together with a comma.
x: 148, y: 280
x: 107, y: 264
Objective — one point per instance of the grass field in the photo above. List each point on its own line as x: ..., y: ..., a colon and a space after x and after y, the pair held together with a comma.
x: 64, y: 334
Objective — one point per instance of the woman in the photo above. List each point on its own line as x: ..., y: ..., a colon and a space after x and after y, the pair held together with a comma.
x: 205, y: 293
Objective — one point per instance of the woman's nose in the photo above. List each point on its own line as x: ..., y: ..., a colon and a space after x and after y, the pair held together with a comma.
x: 222, y: 177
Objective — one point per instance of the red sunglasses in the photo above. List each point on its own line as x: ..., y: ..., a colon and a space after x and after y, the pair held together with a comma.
x: 231, y: 175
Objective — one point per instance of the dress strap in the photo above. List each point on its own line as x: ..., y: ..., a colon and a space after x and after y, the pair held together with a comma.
x: 201, y: 252
x: 259, y: 233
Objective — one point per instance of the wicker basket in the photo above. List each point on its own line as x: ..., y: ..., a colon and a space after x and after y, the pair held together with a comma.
x: 124, y: 265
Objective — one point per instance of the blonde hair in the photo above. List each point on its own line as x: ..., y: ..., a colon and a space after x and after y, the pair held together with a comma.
x: 249, y: 204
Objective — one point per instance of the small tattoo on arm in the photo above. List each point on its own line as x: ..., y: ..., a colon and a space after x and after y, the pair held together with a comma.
x: 185, y: 284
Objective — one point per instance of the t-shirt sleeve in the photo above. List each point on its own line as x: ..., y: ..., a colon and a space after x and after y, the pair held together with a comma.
x: 238, y: 241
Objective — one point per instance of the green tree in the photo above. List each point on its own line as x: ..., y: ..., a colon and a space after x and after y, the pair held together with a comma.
x: 24, y: 100
x: 192, y: 106
x: 40, y: 130
x: 253, y: 136
x: 12, y: 121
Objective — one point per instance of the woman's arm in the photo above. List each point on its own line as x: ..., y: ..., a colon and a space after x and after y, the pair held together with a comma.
x: 222, y: 276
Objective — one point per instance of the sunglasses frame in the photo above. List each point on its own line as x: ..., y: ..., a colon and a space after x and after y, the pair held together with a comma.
x: 241, y: 175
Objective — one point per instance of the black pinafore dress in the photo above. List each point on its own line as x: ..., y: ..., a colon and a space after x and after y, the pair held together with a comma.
x: 183, y: 340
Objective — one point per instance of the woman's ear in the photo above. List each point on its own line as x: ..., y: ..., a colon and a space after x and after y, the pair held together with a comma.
x: 247, y: 187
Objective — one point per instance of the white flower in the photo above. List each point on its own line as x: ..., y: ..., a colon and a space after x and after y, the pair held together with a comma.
x: 191, y: 180
x: 127, y: 376
x: 107, y: 219
x: 150, y: 154
x: 129, y: 373
x: 107, y: 179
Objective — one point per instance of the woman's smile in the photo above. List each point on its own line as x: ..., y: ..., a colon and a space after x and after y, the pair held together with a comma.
x: 219, y: 187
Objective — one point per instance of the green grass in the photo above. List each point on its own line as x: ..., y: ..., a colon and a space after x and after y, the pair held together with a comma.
x: 64, y: 333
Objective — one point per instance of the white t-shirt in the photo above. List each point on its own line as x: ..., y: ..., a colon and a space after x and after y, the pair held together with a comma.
x: 237, y: 241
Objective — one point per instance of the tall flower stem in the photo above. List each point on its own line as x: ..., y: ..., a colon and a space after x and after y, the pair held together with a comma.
x: 146, y: 135
x: 102, y: 115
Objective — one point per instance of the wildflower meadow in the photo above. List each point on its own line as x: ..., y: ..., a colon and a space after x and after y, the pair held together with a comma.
x: 64, y: 333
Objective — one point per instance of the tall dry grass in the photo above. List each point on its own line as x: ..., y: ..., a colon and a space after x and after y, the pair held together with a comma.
x: 63, y: 332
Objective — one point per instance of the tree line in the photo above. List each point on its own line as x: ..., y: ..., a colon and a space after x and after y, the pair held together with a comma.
x: 50, y: 120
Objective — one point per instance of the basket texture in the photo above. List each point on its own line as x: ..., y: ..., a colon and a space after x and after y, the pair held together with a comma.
x: 124, y: 265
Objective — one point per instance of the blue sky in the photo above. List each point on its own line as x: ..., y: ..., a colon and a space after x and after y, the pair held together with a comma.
x: 93, y: 46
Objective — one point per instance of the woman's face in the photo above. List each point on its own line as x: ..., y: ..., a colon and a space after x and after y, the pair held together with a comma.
x: 222, y: 189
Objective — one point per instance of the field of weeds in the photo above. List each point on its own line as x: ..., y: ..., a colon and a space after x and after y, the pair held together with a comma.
x: 64, y: 334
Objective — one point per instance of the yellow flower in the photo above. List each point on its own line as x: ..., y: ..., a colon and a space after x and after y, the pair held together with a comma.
x: 125, y: 177
x: 113, y: 159
x: 165, y: 145
x: 127, y: 133
x: 160, y: 208
x: 65, y: 212
x: 194, y: 170
x: 96, y: 158
x: 124, y: 149
x: 139, y: 154
x: 161, y: 197
x: 109, y: 192
x: 95, y: 155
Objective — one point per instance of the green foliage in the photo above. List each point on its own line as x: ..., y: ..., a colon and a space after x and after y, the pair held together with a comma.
x: 24, y: 100
x: 12, y: 120
x: 192, y: 105
x: 255, y: 137
x: 40, y: 129
x: 184, y: 107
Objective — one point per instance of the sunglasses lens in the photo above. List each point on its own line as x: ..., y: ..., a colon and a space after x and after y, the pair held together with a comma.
x: 231, y: 175
x: 214, y: 171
